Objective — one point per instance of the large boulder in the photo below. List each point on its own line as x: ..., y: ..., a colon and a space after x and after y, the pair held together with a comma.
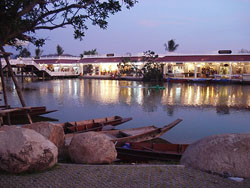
x: 227, y: 154
x: 51, y: 131
x: 8, y: 127
x: 25, y: 150
x: 92, y: 148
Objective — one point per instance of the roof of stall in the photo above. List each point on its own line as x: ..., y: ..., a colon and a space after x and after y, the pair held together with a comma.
x: 109, y: 59
x: 168, y: 58
x: 204, y: 58
x: 56, y: 61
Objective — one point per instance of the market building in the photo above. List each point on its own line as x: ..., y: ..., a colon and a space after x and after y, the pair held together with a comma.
x: 185, y: 67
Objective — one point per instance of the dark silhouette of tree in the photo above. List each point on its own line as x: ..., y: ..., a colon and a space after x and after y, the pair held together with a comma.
x: 59, y: 50
x: 171, y: 46
x: 21, y: 19
x: 24, y: 53
x: 244, y: 51
x: 38, y: 53
x: 152, y: 70
x: 89, y: 52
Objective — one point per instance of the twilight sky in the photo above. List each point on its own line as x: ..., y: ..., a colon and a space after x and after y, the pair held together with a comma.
x: 199, y: 27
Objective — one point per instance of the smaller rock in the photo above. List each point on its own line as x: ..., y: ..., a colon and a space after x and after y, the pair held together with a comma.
x: 8, y: 127
x: 51, y: 131
x: 92, y: 148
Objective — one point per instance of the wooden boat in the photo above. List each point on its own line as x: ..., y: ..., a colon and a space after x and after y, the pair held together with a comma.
x: 132, y: 135
x: 139, y: 134
x: 20, y: 112
x: 141, y: 152
x: 93, y: 124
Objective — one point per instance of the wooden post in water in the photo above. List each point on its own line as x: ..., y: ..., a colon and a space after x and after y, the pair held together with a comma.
x: 32, y: 73
x: 22, y: 73
x: 4, y: 91
x: 6, y: 55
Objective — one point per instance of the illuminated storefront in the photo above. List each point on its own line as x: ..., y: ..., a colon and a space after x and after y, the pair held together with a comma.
x: 219, y: 66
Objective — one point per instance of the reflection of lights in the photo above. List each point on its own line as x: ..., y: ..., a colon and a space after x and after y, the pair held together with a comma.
x: 178, y: 91
x: 75, y: 88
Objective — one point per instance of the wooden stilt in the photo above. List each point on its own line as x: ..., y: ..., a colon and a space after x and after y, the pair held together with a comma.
x: 4, y: 91
x: 5, y: 55
x: 32, y: 73
x: 22, y: 74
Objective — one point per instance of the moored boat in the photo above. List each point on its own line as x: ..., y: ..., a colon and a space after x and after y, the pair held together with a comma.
x: 139, y: 134
x: 140, y: 152
x: 19, y: 112
x: 93, y: 124
x: 132, y: 135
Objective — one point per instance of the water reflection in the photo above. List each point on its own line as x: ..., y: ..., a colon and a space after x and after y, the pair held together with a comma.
x: 105, y: 92
x: 205, y: 109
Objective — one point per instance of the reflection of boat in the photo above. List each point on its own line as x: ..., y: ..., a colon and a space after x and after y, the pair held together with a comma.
x: 139, y: 134
x: 139, y: 151
x: 93, y: 124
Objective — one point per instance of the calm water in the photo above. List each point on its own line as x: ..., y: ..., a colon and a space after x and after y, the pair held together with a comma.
x: 205, y: 109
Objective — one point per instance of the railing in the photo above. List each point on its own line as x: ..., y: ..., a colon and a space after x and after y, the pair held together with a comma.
x: 40, y: 68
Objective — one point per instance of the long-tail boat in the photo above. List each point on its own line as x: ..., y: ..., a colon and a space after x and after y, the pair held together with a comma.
x: 93, y: 124
x: 141, y: 152
x: 139, y: 134
x: 135, y: 134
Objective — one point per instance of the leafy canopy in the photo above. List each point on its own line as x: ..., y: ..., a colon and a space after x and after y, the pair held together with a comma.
x: 59, y: 50
x: 152, y: 70
x: 20, y: 19
x: 171, y: 46
x: 89, y: 52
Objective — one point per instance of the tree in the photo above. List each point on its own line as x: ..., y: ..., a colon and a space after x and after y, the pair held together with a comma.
x: 126, y: 66
x: 152, y: 71
x: 244, y: 51
x: 21, y: 19
x: 38, y: 53
x: 89, y: 52
x: 24, y: 53
x: 59, y: 50
x: 171, y: 46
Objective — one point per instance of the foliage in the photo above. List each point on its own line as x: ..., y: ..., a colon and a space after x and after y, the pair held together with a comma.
x: 24, y: 53
x: 88, y: 68
x: 59, y: 50
x: 21, y: 19
x: 152, y: 71
x: 127, y: 66
x: 244, y: 51
x: 38, y: 53
x: 89, y: 52
x: 171, y: 46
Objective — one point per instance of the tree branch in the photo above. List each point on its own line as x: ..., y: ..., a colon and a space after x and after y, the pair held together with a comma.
x: 29, y: 8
